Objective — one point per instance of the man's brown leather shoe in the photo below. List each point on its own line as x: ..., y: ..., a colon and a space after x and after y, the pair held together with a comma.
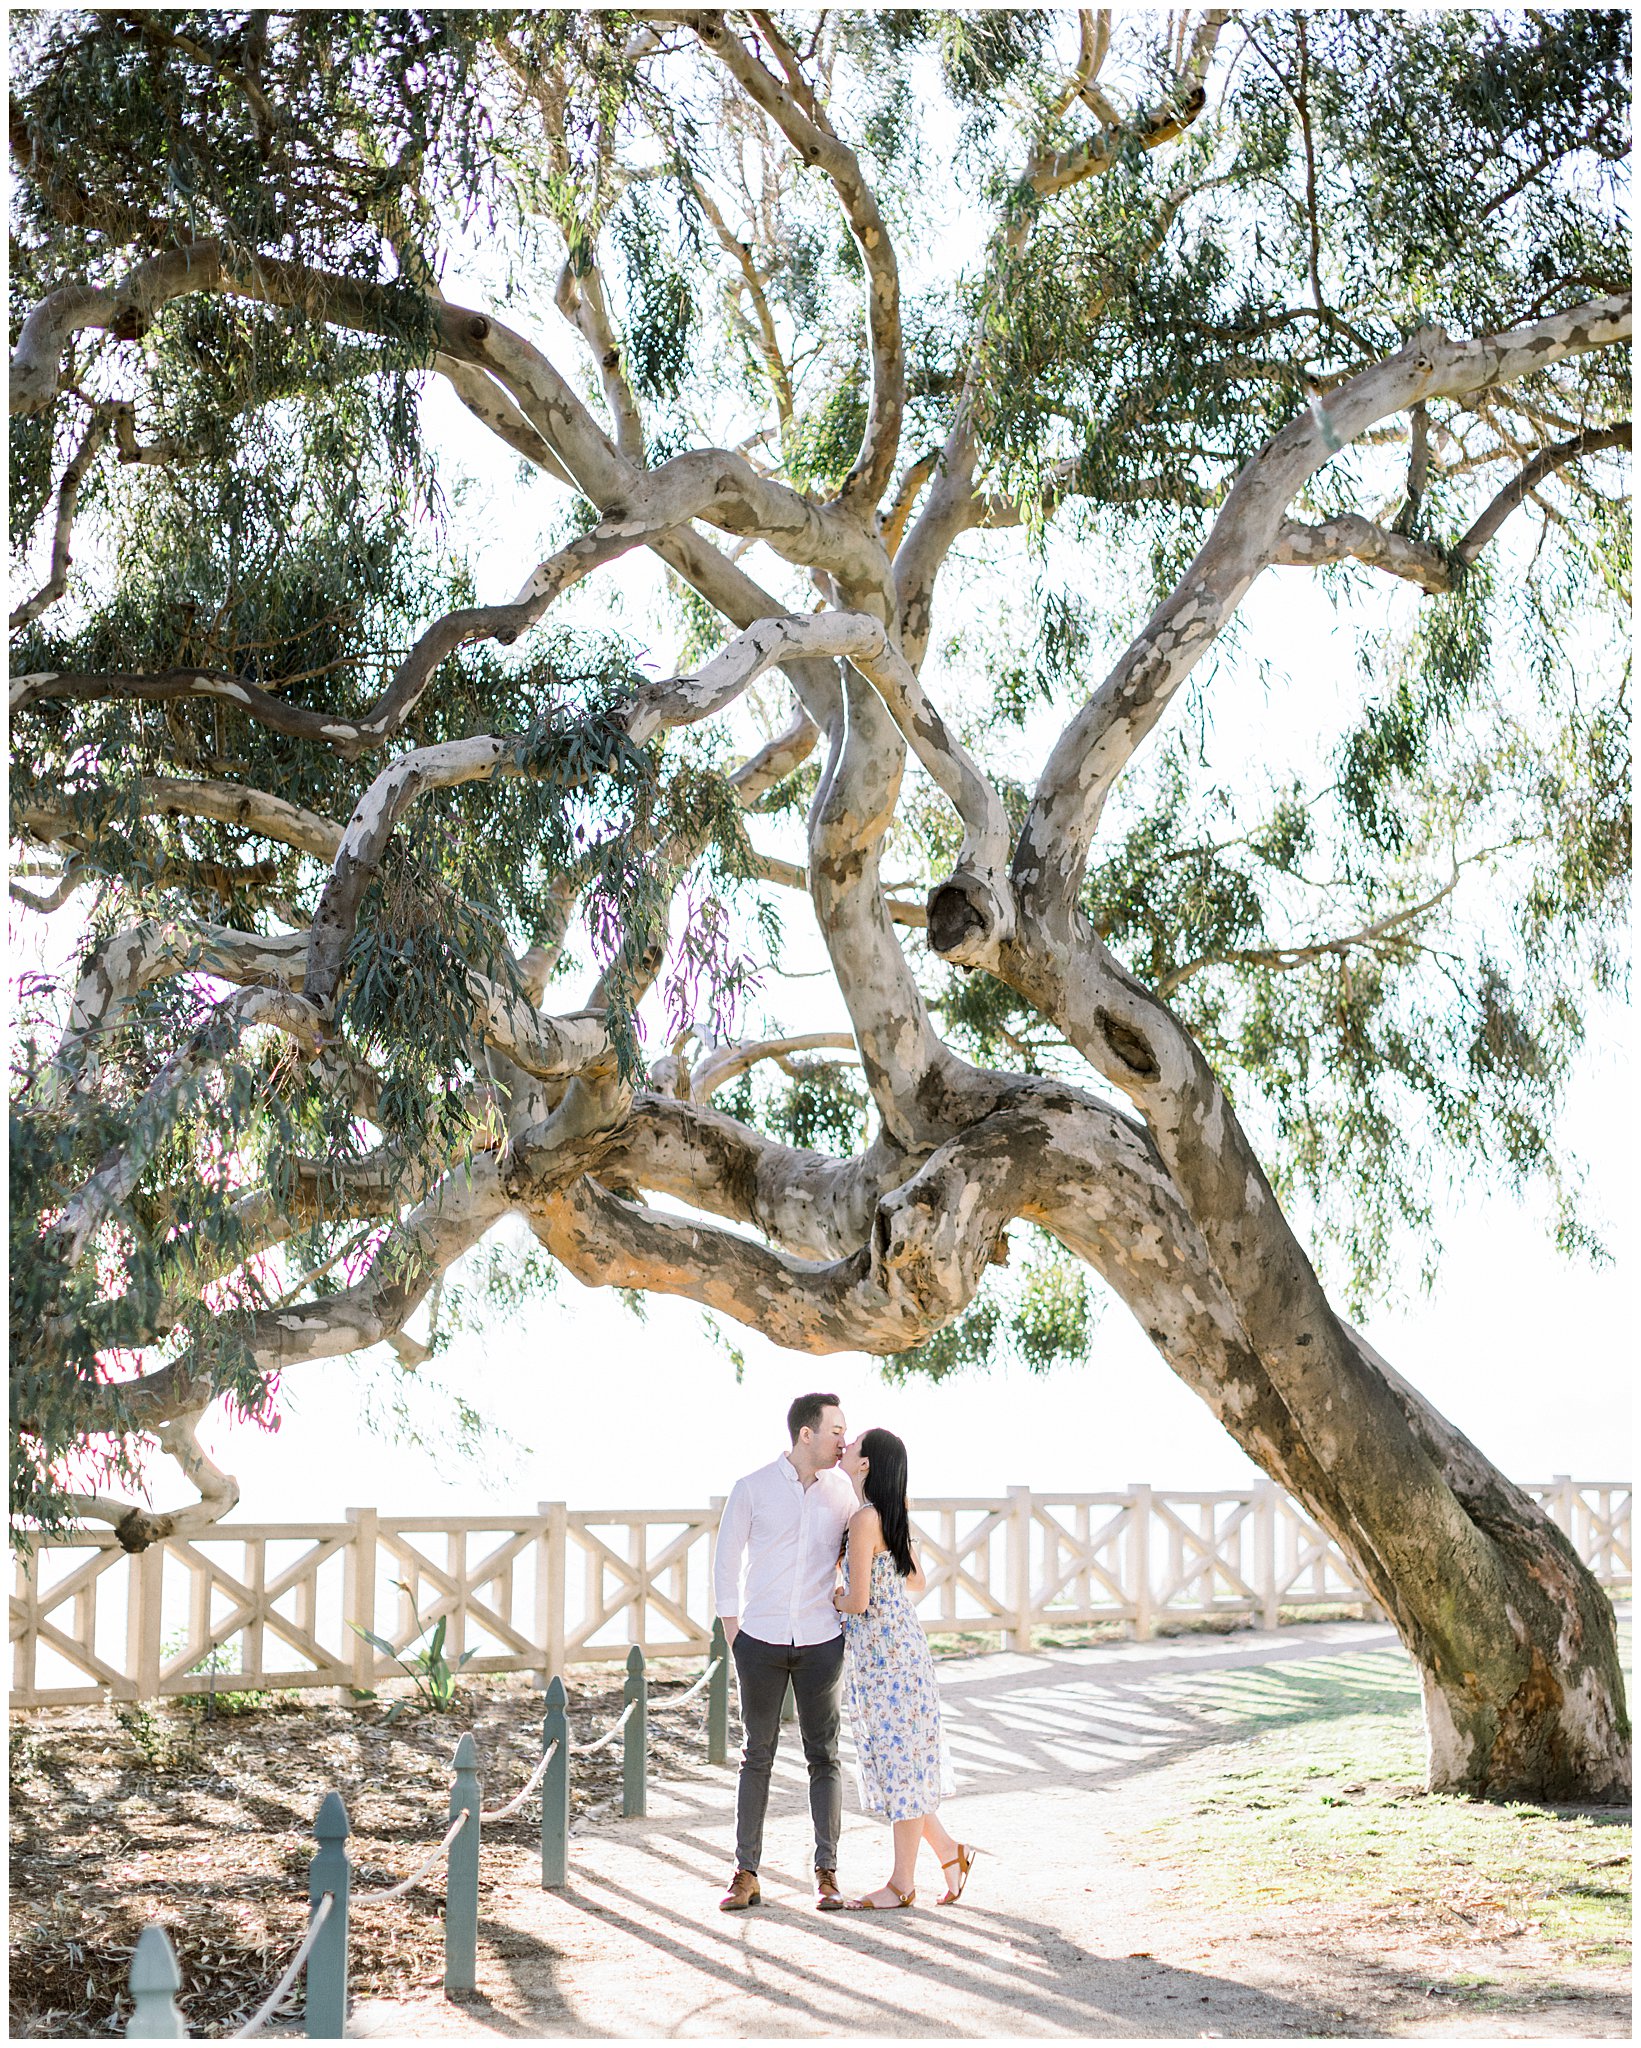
x: 743, y: 1892
x: 828, y: 1899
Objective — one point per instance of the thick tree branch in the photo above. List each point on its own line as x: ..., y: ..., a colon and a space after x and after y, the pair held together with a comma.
x: 930, y: 1242
x: 1351, y: 537
x: 712, y: 483
x: 258, y: 811
x: 449, y: 1221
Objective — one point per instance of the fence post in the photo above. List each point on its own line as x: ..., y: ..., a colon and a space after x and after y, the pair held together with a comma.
x: 1265, y: 1553
x: 635, y: 1693
x: 1019, y: 1567
x: 461, y: 1891
x: 142, y: 1622
x: 155, y: 1979
x: 326, y: 2011
x: 1561, y: 1505
x: 555, y: 1789
x: 359, y: 1594
x: 718, y: 1698
x: 550, y: 1565
x: 1139, y: 1559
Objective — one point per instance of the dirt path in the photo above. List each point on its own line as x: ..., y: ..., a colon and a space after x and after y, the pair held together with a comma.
x: 1079, y: 1921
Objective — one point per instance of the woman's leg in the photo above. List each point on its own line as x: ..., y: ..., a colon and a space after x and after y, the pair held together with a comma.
x: 907, y: 1835
x: 944, y: 1845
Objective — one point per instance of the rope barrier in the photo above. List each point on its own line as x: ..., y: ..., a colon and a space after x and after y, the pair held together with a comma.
x: 154, y: 1974
x: 320, y: 1915
x: 610, y: 1734
x: 506, y: 1812
x: 427, y: 1862
x: 660, y: 1706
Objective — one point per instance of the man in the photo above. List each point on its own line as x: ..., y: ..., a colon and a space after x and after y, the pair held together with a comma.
x: 787, y: 1520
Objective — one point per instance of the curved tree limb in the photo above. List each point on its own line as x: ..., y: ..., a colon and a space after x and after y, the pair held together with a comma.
x: 931, y: 1239
x: 353, y: 737
x: 136, y: 1526
x: 261, y: 813
x: 1591, y: 442
x: 1093, y: 749
x: 1352, y: 537
x: 68, y: 499
x: 1054, y: 171
x: 725, y: 1063
x: 447, y: 1222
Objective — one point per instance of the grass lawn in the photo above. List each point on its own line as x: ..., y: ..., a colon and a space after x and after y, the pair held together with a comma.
x: 1316, y: 1801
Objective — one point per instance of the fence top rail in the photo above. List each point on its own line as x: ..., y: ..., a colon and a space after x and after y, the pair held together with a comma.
x: 217, y: 1532
x: 498, y: 1524
x: 1241, y: 1496
x: 1578, y: 1485
x: 1090, y: 1500
x: 583, y: 1520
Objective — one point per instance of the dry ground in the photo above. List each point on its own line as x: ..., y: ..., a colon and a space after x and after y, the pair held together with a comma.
x: 122, y: 1815
x: 1202, y: 1837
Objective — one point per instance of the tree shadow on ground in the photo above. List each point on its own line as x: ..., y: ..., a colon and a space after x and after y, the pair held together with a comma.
x: 1013, y: 1973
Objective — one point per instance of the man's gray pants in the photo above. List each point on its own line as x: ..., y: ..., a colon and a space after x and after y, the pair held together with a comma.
x: 816, y: 1672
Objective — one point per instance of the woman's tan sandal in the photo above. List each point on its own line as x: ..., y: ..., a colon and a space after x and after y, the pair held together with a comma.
x: 870, y: 1905
x: 962, y: 1863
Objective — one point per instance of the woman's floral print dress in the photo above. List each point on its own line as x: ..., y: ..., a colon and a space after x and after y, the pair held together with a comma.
x: 901, y: 1764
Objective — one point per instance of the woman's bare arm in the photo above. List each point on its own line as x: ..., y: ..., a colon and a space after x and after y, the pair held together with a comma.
x: 863, y: 1541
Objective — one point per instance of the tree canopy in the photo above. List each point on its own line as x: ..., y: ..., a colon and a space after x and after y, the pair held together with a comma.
x: 962, y: 371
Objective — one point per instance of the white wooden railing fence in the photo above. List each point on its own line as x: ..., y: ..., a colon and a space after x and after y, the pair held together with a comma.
x: 270, y: 1603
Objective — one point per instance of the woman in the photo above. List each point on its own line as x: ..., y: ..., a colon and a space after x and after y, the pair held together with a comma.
x: 894, y: 1704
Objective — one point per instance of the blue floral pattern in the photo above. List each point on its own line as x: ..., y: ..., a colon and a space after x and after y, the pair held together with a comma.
x: 902, y: 1767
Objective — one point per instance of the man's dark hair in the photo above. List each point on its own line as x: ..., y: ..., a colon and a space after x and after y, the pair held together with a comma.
x: 805, y: 1412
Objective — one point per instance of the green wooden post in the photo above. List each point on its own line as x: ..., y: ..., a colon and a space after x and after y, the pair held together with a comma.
x: 155, y: 1980
x: 636, y: 1693
x: 326, y: 2011
x: 461, y: 1891
x: 555, y: 1789
x: 718, y: 1700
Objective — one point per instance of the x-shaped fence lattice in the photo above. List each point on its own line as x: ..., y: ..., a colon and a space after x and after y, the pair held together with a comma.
x: 635, y: 1586
x: 1082, y: 1575
x: 957, y: 1563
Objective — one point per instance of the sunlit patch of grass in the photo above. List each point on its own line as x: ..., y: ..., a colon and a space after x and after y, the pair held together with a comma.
x: 1322, y: 1801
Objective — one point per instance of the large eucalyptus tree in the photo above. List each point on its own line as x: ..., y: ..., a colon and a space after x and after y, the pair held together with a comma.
x: 978, y: 359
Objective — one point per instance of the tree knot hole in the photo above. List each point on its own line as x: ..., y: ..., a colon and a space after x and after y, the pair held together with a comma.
x: 1130, y: 1046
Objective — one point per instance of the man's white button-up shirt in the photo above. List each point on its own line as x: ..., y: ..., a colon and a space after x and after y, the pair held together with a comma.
x: 789, y: 1535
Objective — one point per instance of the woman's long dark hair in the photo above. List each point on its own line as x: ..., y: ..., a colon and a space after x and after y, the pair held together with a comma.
x: 885, y: 1490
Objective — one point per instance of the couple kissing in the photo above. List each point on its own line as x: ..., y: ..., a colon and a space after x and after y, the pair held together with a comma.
x: 789, y: 1615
